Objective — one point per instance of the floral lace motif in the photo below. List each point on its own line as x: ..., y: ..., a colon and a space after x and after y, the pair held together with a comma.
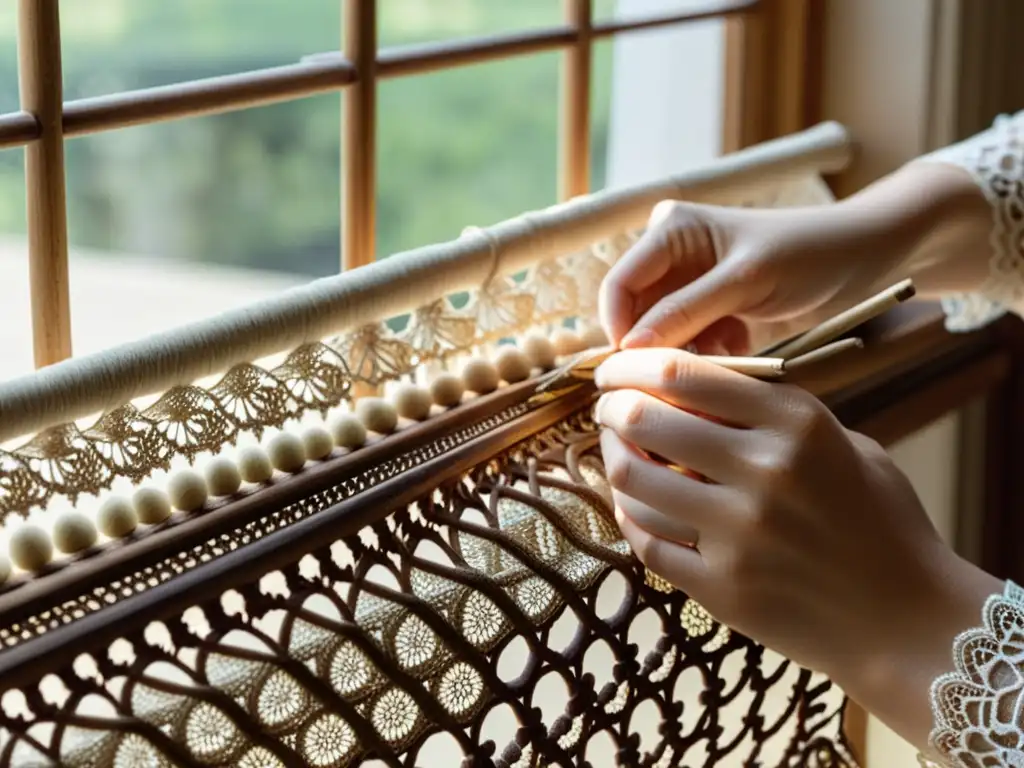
x: 996, y: 160
x: 132, y: 441
x: 979, y: 708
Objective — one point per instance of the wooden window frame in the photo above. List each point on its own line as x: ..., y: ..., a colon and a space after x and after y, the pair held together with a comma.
x: 45, y: 120
x: 773, y: 67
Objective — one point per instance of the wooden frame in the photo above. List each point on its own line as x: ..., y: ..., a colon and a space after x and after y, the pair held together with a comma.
x: 773, y: 63
x: 44, y: 121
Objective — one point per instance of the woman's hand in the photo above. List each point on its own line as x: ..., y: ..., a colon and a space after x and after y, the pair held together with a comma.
x: 806, y: 536
x: 729, y: 280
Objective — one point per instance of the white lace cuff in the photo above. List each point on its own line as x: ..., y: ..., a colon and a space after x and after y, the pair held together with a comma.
x: 979, y: 707
x: 996, y: 160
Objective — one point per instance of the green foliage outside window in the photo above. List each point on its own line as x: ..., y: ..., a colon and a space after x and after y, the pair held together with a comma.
x: 260, y: 188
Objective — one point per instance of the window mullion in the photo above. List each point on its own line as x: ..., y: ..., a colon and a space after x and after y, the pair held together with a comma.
x: 40, y: 79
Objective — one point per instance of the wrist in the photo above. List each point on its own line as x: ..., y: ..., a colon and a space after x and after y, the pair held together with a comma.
x: 893, y: 678
x: 930, y: 222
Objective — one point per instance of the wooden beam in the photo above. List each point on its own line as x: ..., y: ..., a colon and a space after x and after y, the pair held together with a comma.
x: 773, y: 59
x: 39, y: 68
x: 359, y: 196
x: 574, y: 103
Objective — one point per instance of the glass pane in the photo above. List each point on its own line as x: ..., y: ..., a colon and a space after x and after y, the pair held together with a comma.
x: 16, y: 330
x: 600, y: 112
x: 469, y: 146
x: 175, y: 221
x: 8, y: 57
x: 116, y: 45
x: 667, y: 89
x: 630, y: 10
x: 604, y: 9
x: 417, y: 21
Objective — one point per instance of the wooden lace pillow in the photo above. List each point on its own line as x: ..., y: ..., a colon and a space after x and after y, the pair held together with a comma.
x: 447, y: 589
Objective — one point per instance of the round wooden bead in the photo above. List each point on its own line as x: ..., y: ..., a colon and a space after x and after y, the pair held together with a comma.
x: 539, y: 351
x: 348, y: 431
x: 594, y: 336
x: 187, y: 490
x: 447, y: 390
x: 317, y: 442
x: 254, y: 465
x: 377, y: 414
x: 565, y: 342
x: 30, y: 547
x: 151, y: 505
x: 222, y: 477
x: 5, y: 568
x: 412, y: 402
x: 116, y: 517
x: 73, y: 532
x: 480, y: 376
x: 287, y: 453
x: 512, y: 364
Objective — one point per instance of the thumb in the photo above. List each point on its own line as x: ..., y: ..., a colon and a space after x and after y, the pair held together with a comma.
x: 679, y: 317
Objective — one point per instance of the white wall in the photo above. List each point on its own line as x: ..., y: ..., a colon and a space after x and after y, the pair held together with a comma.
x: 667, y: 88
x: 878, y: 81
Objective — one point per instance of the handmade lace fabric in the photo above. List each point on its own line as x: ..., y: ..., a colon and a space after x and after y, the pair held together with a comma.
x: 978, y: 707
x: 996, y: 160
x: 454, y: 593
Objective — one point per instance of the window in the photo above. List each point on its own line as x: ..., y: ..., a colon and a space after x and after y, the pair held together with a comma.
x: 205, y: 161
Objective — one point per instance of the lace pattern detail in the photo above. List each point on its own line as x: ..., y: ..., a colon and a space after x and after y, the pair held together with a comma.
x: 996, y: 160
x: 498, y: 620
x: 134, y: 440
x: 979, y: 707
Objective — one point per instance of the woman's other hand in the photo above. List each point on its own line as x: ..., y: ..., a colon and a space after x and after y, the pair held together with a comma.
x: 804, y: 536
x: 729, y: 280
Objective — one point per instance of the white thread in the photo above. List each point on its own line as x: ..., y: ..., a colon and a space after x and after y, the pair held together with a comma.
x: 100, y: 382
x: 494, y: 246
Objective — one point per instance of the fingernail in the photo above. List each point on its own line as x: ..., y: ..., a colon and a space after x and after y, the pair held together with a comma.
x: 641, y: 337
x: 597, y: 408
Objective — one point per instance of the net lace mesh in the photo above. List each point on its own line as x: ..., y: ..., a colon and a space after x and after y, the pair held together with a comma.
x: 978, y: 707
x: 462, y: 598
x: 497, y: 620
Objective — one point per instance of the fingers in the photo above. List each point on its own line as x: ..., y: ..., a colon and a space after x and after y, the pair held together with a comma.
x: 664, y: 526
x: 681, y: 315
x: 694, y: 384
x: 728, y: 336
x: 676, y: 249
x: 684, y: 439
x: 697, y: 505
x: 681, y: 565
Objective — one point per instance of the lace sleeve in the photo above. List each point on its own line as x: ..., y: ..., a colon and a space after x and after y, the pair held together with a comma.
x: 979, y: 707
x: 996, y: 160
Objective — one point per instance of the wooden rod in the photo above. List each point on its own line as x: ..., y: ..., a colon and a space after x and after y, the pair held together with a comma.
x: 18, y: 128
x: 207, y: 96
x: 846, y: 321
x: 394, y: 286
x: 39, y: 68
x: 713, y: 10
x: 822, y: 354
x: 359, y: 195
x: 430, y: 57
x: 574, y: 134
